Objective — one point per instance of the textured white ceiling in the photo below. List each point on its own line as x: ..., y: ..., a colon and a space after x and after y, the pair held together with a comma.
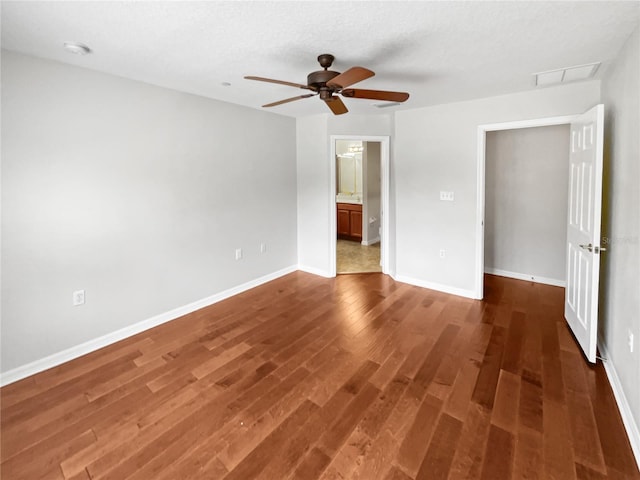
x: 438, y: 51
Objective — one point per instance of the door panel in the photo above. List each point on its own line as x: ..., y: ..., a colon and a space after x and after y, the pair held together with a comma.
x: 356, y: 224
x: 583, y: 228
x: 344, y: 225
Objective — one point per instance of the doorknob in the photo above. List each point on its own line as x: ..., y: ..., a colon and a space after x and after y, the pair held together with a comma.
x: 595, y: 249
x: 587, y: 247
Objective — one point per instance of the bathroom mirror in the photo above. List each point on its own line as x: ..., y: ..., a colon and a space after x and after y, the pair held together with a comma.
x: 349, y: 169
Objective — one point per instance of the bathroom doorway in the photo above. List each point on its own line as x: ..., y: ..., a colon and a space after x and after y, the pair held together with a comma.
x: 359, y: 197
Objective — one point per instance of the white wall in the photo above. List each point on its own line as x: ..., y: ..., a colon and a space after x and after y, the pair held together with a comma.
x: 315, y: 194
x: 436, y: 149
x: 620, y: 268
x: 313, y: 170
x: 351, y: 124
x: 135, y: 193
x: 370, y: 232
x: 526, y: 190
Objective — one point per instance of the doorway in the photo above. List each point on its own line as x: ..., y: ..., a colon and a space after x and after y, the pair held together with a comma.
x: 358, y: 188
x: 483, y: 130
x: 584, y: 206
x: 359, y: 205
x: 526, y: 197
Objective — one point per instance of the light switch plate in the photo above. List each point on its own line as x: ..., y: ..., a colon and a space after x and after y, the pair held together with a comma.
x: 446, y: 196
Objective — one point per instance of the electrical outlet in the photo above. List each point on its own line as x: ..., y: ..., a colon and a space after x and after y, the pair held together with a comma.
x: 238, y: 253
x: 263, y: 248
x: 443, y: 253
x: 78, y: 298
x: 630, y: 341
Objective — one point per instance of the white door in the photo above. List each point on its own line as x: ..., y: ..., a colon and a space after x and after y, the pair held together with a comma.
x: 583, y: 229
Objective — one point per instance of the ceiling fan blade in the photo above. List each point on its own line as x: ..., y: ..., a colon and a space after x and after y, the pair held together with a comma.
x: 280, y: 82
x: 375, y: 94
x: 336, y: 105
x: 351, y: 76
x: 292, y: 99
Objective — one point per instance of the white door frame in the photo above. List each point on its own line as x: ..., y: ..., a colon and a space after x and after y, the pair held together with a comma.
x: 384, y: 201
x: 482, y: 141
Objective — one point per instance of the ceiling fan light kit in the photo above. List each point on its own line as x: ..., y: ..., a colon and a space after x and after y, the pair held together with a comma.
x: 327, y: 84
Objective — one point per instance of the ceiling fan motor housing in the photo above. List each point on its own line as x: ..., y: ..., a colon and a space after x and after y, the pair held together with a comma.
x: 320, y: 78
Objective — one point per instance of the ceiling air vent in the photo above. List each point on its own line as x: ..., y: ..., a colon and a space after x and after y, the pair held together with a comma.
x: 387, y: 105
x: 565, y: 75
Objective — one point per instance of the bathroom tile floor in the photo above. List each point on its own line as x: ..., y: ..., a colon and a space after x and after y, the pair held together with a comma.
x: 353, y: 257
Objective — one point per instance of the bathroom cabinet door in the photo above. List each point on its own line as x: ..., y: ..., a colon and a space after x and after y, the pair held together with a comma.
x: 356, y: 223
x: 344, y: 223
x: 349, y: 217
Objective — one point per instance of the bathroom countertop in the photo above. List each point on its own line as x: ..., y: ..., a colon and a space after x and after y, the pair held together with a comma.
x: 346, y: 198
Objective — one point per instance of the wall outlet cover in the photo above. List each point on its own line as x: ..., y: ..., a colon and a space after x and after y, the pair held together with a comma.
x: 78, y: 298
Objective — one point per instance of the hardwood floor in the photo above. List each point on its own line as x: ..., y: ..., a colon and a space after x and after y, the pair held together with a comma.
x: 355, y: 377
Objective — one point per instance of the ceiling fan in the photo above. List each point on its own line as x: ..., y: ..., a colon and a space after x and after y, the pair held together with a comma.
x: 327, y: 84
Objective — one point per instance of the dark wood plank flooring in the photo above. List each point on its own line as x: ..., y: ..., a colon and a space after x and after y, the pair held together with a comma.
x: 356, y: 377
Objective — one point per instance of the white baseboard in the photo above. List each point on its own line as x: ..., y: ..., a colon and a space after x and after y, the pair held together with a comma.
x: 79, y: 350
x: 461, y: 292
x: 370, y: 242
x: 524, y: 276
x: 630, y: 423
x: 314, y: 271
